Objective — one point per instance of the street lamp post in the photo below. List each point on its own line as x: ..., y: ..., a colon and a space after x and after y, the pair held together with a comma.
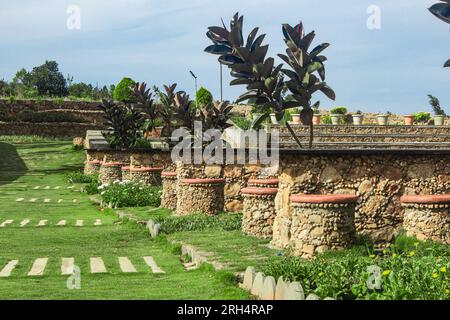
x: 195, y: 79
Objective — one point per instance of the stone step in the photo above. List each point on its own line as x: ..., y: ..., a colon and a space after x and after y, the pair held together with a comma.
x: 6, y: 271
x: 126, y: 266
x: 5, y: 223
x: 152, y: 264
x: 38, y: 267
x: 45, y: 223
x: 97, y: 265
x: 67, y: 266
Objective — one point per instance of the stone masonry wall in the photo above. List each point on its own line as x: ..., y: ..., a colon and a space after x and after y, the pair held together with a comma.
x: 378, y: 180
x: 55, y: 130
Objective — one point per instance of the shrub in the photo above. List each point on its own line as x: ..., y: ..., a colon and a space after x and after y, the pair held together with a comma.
x: 242, y: 123
x: 129, y: 194
x: 80, y: 177
x: 326, y: 119
x: 92, y: 188
x: 124, y: 92
x: 423, y: 117
x: 339, y: 110
x: 408, y: 270
x: 204, y: 97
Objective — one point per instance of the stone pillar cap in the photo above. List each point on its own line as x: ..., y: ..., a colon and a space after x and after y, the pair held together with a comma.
x: 146, y: 169
x: 168, y: 174
x: 260, y: 191
x: 324, y: 198
x: 127, y: 168
x: 426, y: 199
x: 263, y: 181
x: 202, y: 181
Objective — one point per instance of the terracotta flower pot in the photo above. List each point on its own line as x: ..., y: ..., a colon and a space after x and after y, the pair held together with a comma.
x: 409, y: 120
x: 156, y: 132
x: 317, y: 119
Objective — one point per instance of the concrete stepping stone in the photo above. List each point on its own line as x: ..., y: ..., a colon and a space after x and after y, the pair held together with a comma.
x: 33, y: 199
x: 67, y: 266
x: 42, y: 223
x: 57, y: 188
x: 7, y: 270
x: 97, y: 265
x: 38, y: 267
x: 70, y: 187
x: 24, y: 222
x: 152, y: 264
x: 62, y: 223
x: 79, y: 223
x: 47, y: 188
x: 98, y: 222
x: 20, y: 199
x: 47, y: 200
x: 74, y: 200
x: 126, y: 266
x: 5, y: 223
x: 60, y: 200
x: 36, y: 188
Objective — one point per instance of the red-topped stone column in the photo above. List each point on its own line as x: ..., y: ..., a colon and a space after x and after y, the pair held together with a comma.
x: 92, y: 167
x: 201, y: 195
x: 169, y: 194
x: 110, y: 172
x: 146, y: 175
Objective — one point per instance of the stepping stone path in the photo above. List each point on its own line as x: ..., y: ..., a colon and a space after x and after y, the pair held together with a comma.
x: 47, y: 200
x: 79, y: 223
x: 38, y: 267
x: 67, y: 266
x: 4, y: 224
x: 42, y: 223
x: 152, y: 264
x: 24, y: 223
x: 126, y: 265
x: 6, y: 272
x: 62, y: 223
x: 97, y: 265
x: 20, y: 200
x: 33, y: 200
x: 98, y: 222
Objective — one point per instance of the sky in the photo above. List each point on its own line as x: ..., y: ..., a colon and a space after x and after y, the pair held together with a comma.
x: 391, y: 68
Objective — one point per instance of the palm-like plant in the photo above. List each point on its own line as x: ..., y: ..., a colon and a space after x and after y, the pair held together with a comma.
x: 436, y: 105
x: 167, y: 108
x: 146, y: 106
x: 216, y: 116
x: 265, y: 82
x: 442, y: 11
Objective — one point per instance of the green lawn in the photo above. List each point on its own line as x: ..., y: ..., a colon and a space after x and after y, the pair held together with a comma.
x: 42, y: 163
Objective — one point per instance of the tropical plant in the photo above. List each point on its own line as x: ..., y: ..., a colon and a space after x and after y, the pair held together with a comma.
x: 144, y: 104
x: 124, y: 123
x: 436, y: 105
x: 339, y: 110
x: 442, y: 11
x: 184, y: 112
x: 217, y: 116
x: 124, y: 92
x: 264, y: 81
x: 167, y: 107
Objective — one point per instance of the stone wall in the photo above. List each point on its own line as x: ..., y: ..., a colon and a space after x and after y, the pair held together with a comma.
x: 45, y: 105
x: 55, y: 130
x: 378, y: 179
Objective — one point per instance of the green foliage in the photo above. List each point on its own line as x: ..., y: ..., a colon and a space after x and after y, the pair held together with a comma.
x: 124, y: 124
x: 409, y: 270
x: 436, y: 105
x: 242, y: 122
x: 326, y: 119
x: 80, y: 177
x: 129, y: 194
x: 422, y: 117
x: 47, y: 80
x: 339, y: 110
x: 198, y: 222
x: 204, y: 97
x: 92, y: 188
x: 124, y: 92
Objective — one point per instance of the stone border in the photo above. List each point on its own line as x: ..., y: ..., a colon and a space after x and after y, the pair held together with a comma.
x: 266, y: 288
x: 169, y: 175
x: 314, y: 199
x: 263, y: 182
x: 441, y: 200
x: 259, y: 191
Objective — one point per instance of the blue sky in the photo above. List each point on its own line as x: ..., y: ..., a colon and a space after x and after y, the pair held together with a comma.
x: 391, y: 69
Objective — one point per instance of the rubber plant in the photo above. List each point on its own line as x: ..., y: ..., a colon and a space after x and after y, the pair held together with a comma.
x: 442, y: 11
x: 265, y: 81
x: 144, y: 104
x: 166, y: 109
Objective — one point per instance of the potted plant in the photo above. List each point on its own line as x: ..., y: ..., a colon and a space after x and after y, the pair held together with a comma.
x: 358, y: 118
x: 337, y: 114
x: 317, y: 117
x: 409, y: 119
x: 382, y: 119
x: 422, y: 117
x: 439, y: 114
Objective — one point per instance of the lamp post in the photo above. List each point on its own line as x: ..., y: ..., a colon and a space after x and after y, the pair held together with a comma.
x: 195, y: 79
x: 221, y: 82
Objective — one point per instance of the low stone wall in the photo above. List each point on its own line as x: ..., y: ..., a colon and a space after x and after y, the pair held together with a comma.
x: 45, y: 105
x: 54, y: 130
x: 378, y: 179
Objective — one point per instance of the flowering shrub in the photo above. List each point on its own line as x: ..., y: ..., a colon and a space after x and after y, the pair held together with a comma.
x: 407, y: 270
x: 129, y: 194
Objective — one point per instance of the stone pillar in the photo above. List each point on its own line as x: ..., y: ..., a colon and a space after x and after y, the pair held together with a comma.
x: 110, y: 172
x: 92, y: 167
x: 200, y: 196
x: 169, y: 194
x: 146, y: 175
x: 259, y: 211
x: 427, y: 217
x: 126, y: 176
x: 321, y: 223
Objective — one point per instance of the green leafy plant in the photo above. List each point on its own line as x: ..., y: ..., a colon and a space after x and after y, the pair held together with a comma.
x: 242, y: 122
x: 92, y: 188
x: 204, y: 97
x: 167, y: 109
x: 124, y: 124
x: 80, y: 177
x: 264, y: 81
x: 144, y: 104
x: 129, y: 194
x: 124, y: 92
x: 436, y: 105
x: 422, y: 117
x: 339, y: 110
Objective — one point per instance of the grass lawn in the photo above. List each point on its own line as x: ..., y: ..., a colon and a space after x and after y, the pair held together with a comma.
x: 33, y: 187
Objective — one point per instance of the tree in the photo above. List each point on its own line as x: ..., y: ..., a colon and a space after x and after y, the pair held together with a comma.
x: 48, y: 80
x: 124, y: 91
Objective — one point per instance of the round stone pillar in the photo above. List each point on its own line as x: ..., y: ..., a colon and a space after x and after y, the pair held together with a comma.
x: 92, y: 167
x: 200, y: 196
x: 259, y: 211
x: 169, y: 194
x: 146, y: 175
x: 126, y: 176
x: 321, y: 223
x: 427, y: 217
x: 110, y: 172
